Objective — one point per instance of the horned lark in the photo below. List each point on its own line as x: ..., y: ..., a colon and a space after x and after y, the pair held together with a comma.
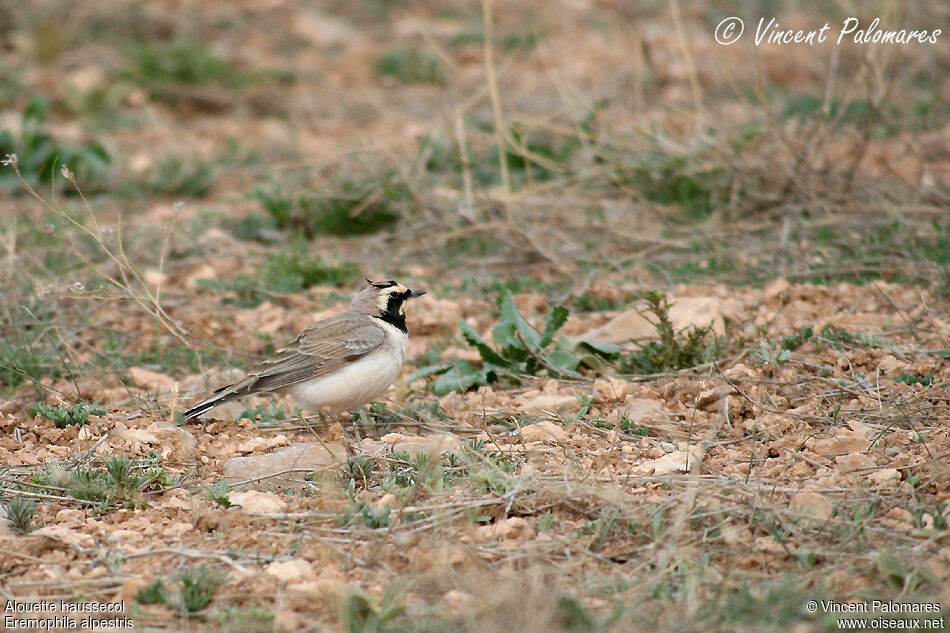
x: 336, y: 364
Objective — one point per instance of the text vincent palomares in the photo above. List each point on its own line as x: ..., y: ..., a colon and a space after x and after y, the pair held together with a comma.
x: 771, y: 33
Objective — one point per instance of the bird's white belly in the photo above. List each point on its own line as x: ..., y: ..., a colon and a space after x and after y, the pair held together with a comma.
x: 358, y: 382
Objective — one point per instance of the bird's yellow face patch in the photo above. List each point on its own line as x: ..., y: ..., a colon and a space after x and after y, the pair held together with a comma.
x: 397, y: 291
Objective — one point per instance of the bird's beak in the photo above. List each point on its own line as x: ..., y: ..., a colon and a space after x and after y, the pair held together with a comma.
x: 416, y: 293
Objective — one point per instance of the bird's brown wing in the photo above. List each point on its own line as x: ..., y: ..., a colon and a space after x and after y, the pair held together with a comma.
x: 320, y: 349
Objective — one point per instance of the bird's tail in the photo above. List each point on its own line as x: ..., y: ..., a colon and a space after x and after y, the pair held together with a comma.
x: 207, y: 405
x: 227, y: 393
x: 222, y: 395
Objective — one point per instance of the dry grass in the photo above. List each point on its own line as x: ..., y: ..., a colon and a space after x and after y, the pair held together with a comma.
x: 588, y: 155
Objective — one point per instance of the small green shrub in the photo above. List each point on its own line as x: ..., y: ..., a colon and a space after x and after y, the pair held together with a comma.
x: 180, y: 62
x: 410, y: 66
x: 266, y: 413
x: 672, y: 180
x: 519, y: 350
x: 297, y: 269
x: 22, y: 359
x: 914, y: 379
x: 199, y: 584
x: 219, y: 493
x: 168, y: 357
x: 198, y: 587
x: 362, y: 612
x: 20, y: 511
x: 360, y: 512
x: 38, y: 155
x: 673, y: 350
x: 244, y: 619
x: 113, y: 483
x: 793, y: 342
x: 286, y: 272
x: 153, y: 593
x: 856, y: 112
x: 175, y: 175
x: 63, y: 416
x: 351, y: 207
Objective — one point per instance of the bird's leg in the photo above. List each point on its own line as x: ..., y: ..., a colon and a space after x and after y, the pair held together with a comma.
x: 356, y: 431
x: 349, y: 441
x: 306, y: 421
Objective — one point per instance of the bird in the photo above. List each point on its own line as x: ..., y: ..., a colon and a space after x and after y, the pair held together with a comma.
x: 336, y: 364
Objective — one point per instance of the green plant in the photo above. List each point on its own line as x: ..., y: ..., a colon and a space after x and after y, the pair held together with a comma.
x: 358, y: 470
x: 519, y: 350
x: 153, y: 593
x: 286, y: 272
x: 496, y: 476
x: 904, y: 577
x: 914, y: 379
x: 545, y: 522
x: 158, y: 64
x: 532, y: 156
x: 255, y: 226
x: 376, y: 418
x: 772, y: 357
x: 175, y: 175
x: 838, y: 338
x: 199, y: 584
x: 267, y: 413
x: 11, y: 84
x: 410, y: 66
x: 245, y: 619
x: 296, y: 269
x: 20, y: 511
x: 523, y: 40
x: 366, y: 514
x: 361, y: 612
x: 794, y: 341
x: 22, y: 359
x: 573, y: 617
x: 115, y: 482
x: 630, y: 426
x: 348, y: 207
x: 407, y: 473
x: 36, y: 155
x: 63, y: 416
x: 672, y: 350
x: 939, y: 516
x: 119, y: 470
x: 219, y: 493
x: 855, y: 112
x: 675, y: 181
x: 590, y: 303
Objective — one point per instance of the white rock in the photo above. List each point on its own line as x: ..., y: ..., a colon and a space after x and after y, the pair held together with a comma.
x: 645, y: 409
x: 886, y: 477
x: 139, y: 435
x: 66, y: 535
x: 292, y: 571
x: 152, y: 381
x: 303, y: 455
x: 510, y: 528
x: 545, y: 403
x: 256, y: 501
x: 679, y: 461
x: 813, y: 504
x: 684, y: 312
x: 544, y: 432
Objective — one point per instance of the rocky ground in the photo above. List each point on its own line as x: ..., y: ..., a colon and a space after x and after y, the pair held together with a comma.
x: 260, y: 161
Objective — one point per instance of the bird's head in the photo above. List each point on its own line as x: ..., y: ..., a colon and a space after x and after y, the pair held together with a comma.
x: 385, y: 298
